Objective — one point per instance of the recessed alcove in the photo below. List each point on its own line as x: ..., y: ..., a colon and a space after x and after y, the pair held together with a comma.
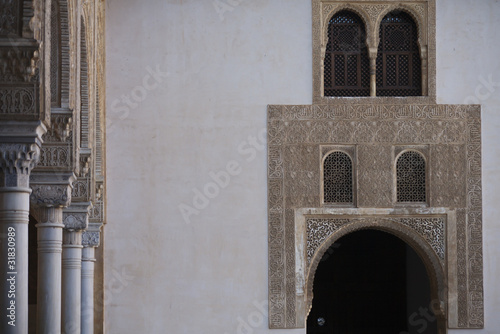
x: 371, y: 281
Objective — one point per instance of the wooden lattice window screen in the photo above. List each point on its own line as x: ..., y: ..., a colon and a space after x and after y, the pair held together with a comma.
x: 411, y: 177
x: 346, y: 65
x: 398, y: 60
x: 337, y: 179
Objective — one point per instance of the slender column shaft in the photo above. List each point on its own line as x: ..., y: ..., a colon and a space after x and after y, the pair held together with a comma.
x: 88, y: 259
x: 424, y: 65
x: 14, y: 211
x: 373, y: 71
x: 71, y: 281
x: 49, y: 271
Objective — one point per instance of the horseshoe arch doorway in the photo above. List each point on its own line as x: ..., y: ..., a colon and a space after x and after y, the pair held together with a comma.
x: 371, y: 282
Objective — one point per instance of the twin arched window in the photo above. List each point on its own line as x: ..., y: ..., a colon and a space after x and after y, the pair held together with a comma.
x: 347, y: 63
x: 338, y: 178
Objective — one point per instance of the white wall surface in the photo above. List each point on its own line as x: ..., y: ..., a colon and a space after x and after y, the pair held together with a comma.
x: 219, y: 71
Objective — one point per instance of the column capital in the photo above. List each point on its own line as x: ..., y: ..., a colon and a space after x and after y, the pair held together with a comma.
x: 91, y: 237
x: 19, y: 151
x: 76, y: 216
x: 51, y: 189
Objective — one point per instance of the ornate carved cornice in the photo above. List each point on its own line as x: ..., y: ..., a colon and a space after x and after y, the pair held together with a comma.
x: 76, y: 216
x: 15, y: 63
x: 19, y: 151
x: 51, y: 189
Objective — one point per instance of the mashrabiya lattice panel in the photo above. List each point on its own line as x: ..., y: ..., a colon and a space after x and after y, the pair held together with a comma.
x: 431, y: 230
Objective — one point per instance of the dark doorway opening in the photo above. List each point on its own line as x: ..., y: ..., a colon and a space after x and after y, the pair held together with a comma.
x: 371, y: 282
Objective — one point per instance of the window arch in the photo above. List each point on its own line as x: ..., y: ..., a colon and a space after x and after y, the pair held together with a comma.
x: 399, y: 70
x: 337, y: 179
x: 411, y: 177
x: 346, y: 64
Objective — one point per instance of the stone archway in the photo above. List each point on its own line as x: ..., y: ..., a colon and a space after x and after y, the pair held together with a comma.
x: 430, y: 259
x: 370, y: 281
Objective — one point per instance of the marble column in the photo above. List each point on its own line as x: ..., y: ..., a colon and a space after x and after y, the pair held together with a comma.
x: 373, y: 71
x: 51, y: 193
x: 90, y: 241
x: 75, y: 221
x: 19, y: 152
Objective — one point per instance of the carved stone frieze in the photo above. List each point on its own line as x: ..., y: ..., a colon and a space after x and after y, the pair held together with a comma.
x: 56, y: 156
x: 448, y: 136
x: 18, y: 101
x: 50, y: 195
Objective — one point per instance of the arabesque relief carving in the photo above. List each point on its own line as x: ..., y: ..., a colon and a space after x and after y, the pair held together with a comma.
x: 448, y: 136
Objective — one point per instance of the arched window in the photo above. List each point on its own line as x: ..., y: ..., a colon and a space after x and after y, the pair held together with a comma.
x: 398, y: 60
x: 411, y: 175
x: 347, y: 66
x: 337, y: 179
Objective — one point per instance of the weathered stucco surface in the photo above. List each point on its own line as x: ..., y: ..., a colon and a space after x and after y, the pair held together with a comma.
x: 201, y: 117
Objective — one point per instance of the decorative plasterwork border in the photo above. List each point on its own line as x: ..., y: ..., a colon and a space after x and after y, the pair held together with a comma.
x: 453, y: 133
x: 317, y: 229
x: 371, y: 12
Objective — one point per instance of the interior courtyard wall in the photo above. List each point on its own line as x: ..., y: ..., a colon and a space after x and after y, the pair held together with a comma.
x: 188, y: 87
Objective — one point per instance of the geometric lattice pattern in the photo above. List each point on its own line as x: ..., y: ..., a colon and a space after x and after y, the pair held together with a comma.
x: 398, y: 60
x: 337, y: 178
x: 410, y: 170
x: 347, y: 66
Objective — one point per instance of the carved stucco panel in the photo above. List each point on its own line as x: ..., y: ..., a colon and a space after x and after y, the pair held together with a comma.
x: 431, y: 230
x: 302, y: 176
x: 375, y: 181
x: 447, y: 176
x: 451, y: 132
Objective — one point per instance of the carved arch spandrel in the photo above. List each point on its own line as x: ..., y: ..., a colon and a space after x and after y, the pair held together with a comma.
x: 431, y: 261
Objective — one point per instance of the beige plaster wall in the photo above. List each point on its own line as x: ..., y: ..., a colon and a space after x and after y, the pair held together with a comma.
x: 202, y: 115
